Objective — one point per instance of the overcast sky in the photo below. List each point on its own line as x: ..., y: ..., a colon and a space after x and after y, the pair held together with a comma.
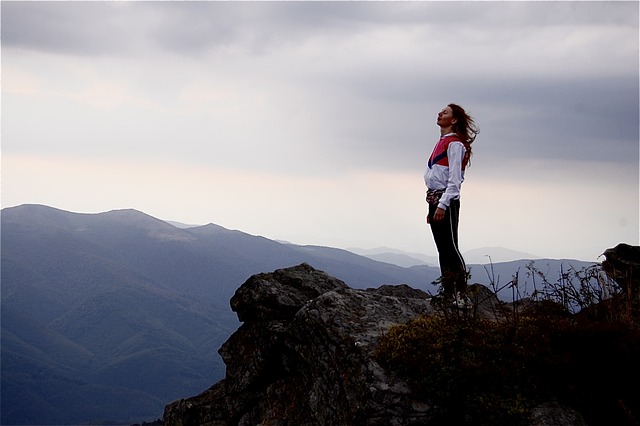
x: 312, y: 121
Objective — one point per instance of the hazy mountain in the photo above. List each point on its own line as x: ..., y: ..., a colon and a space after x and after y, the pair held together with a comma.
x: 495, y: 255
x: 107, y: 317
x: 475, y: 256
x: 396, y: 257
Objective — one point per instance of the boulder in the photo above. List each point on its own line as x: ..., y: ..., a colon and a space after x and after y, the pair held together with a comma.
x: 305, y: 354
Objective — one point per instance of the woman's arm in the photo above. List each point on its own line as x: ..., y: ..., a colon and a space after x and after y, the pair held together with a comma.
x: 455, y: 154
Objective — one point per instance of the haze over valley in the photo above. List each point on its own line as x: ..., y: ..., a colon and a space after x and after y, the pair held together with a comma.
x: 109, y: 316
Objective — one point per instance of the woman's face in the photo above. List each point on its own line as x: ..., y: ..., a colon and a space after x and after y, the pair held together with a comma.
x: 445, y: 118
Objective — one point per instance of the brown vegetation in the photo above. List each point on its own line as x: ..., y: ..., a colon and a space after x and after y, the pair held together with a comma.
x: 575, y: 341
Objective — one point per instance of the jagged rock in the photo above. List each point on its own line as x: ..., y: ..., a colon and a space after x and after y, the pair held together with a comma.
x: 279, y: 295
x: 622, y: 264
x: 306, y: 355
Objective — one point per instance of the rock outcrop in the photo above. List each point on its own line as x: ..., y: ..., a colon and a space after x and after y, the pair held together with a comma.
x: 305, y: 355
x: 622, y: 264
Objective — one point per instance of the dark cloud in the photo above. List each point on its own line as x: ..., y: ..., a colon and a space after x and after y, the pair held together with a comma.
x: 582, y: 119
x: 87, y: 28
x: 82, y: 28
x: 90, y: 28
x: 374, y: 107
x: 588, y: 119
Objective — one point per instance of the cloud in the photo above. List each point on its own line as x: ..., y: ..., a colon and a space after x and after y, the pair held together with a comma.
x: 325, y: 90
x: 99, y: 27
x: 84, y: 28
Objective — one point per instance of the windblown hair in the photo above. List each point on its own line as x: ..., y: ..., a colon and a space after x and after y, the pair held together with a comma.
x: 465, y: 127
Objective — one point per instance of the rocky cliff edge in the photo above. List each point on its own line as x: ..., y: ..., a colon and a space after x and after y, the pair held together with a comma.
x: 305, y: 355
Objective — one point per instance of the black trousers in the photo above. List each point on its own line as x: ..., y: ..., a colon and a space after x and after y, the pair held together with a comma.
x: 445, y: 235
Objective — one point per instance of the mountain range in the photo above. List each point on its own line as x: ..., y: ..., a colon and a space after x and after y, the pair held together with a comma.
x: 475, y: 256
x: 107, y: 317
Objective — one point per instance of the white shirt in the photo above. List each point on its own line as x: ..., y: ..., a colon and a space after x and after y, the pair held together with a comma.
x: 439, y: 177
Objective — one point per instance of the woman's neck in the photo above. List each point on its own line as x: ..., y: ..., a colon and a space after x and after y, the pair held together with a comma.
x: 446, y: 130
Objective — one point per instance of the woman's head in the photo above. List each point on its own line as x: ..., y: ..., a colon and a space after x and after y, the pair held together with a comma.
x: 463, y: 124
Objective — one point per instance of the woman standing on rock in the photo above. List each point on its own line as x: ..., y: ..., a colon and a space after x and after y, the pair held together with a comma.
x: 444, y: 177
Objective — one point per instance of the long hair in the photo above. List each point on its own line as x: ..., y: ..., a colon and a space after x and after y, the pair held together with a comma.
x: 465, y: 127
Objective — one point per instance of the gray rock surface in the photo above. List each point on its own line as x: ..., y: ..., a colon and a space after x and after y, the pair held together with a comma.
x: 305, y: 355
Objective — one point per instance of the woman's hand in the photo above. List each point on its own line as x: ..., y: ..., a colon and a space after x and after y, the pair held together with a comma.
x: 438, y: 215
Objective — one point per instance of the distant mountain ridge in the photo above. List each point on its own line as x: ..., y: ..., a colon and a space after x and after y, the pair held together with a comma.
x: 475, y: 256
x: 485, y: 255
x: 107, y: 317
x: 396, y: 257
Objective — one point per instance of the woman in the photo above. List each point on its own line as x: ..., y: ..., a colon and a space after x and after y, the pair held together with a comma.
x: 444, y: 177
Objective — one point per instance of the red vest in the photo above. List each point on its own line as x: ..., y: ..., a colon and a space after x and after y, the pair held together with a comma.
x: 439, y: 154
